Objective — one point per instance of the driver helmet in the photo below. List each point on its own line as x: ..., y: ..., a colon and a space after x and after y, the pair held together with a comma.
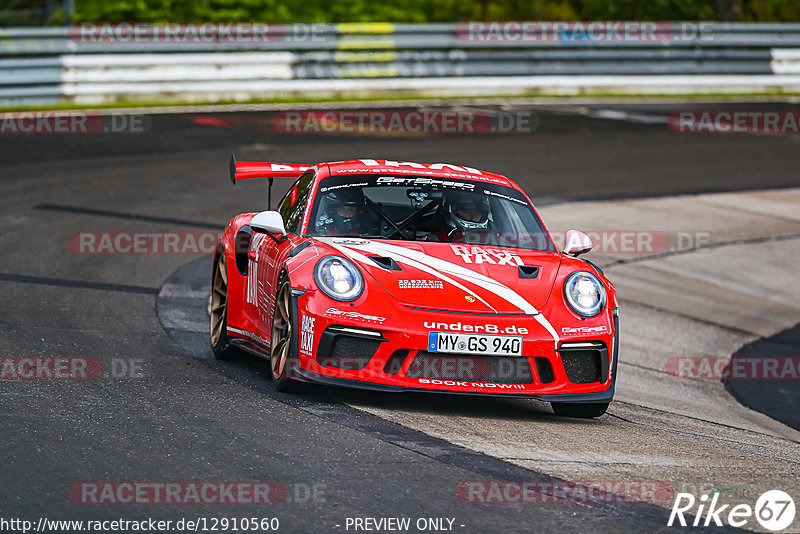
x: 344, y: 208
x: 467, y: 211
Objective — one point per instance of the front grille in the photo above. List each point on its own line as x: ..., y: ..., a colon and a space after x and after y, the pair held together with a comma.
x: 491, y: 369
x: 395, y: 362
x: 349, y: 352
x: 582, y: 366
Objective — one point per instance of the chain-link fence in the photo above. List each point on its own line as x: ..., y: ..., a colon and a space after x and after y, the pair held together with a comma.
x: 21, y: 13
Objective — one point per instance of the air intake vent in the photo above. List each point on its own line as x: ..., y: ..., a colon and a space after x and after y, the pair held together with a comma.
x: 582, y: 366
x: 395, y: 362
x: 242, y: 247
x: 346, y: 347
x: 299, y: 248
x: 387, y: 263
x: 352, y: 353
x: 585, y: 362
x: 528, y: 271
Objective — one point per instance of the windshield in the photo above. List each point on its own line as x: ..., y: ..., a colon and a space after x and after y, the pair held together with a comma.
x: 426, y: 209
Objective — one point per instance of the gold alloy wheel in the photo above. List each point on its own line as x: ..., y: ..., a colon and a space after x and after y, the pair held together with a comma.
x: 281, y: 332
x: 219, y: 300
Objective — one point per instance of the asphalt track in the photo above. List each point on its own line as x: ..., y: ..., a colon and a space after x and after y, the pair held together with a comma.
x: 183, y: 417
x: 783, y: 396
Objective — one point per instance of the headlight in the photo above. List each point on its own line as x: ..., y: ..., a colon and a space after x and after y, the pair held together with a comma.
x: 339, y: 279
x: 585, y: 294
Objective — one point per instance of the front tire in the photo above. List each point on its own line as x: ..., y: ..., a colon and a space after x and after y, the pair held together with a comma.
x: 218, y: 310
x: 580, y: 410
x: 282, y: 347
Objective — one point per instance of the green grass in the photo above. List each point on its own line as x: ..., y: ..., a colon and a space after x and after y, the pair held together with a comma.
x: 399, y: 98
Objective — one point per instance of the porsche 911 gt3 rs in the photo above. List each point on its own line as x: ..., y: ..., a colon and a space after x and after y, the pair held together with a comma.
x: 404, y: 276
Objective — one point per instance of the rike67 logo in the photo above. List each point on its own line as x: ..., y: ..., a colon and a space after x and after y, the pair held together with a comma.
x: 774, y: 510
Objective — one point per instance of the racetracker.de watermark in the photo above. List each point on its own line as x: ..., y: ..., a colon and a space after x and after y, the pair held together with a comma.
x: 443, y: 370
x: 719, y: 368
x: 191, y: 524
x: 198, y: 33
x: 177, y: 493
x: 641, y: 242
x: 622, y: 241
x: 142, y: 242
x: 69, y: 368
x: 73, y: 122
x: 595, y: 31
x: 735, y: 121
x: 536, y: 492
x: 637, y: 242
x: 383, y: 122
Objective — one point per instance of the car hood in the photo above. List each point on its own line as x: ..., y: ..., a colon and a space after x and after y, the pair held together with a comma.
x: 454, y: 277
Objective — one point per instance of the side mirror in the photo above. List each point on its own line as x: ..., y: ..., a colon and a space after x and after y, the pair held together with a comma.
x: 269, y: 222
x: 577, y: 243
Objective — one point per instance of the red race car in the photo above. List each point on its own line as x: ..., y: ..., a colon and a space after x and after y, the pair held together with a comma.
x: 404, y: 276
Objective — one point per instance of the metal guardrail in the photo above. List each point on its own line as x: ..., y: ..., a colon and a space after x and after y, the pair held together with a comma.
x: 84, y: 64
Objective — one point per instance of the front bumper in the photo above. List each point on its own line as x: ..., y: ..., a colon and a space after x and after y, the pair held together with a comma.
x: 307, y: 376
x: 386, y: 351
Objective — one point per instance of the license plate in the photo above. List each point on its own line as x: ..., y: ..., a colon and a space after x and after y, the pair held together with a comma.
x: 474, y: 344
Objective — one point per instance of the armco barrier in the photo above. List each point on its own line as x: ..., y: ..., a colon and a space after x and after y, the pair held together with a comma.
x: 104, y: 63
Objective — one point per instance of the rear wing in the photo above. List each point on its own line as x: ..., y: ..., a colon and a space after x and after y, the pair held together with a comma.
x: 254, y: 170
x: 258, y: 170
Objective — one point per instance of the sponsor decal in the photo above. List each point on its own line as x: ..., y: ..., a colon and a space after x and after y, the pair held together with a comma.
x: 464, y: 384
x: 431, y: 166
x: 418, y: 182
x: 427, y: 173
x: 480, y: 328
x: 420, y: 284
x: 288, y: 167
x: 774, y: 510
x: 350, y: 241
x: 492, y: 256
x: 342, y: 186
x: 307, y: 334
x: 335, y: 312
x: 575, y: 331
x: 505, y: 197
x: 252, y: 270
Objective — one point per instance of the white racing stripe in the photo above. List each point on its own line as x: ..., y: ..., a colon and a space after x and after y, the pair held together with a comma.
x: 546, y: 324
x: 489, y: 284
x: 360, y: 257
x: 440, y: 269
